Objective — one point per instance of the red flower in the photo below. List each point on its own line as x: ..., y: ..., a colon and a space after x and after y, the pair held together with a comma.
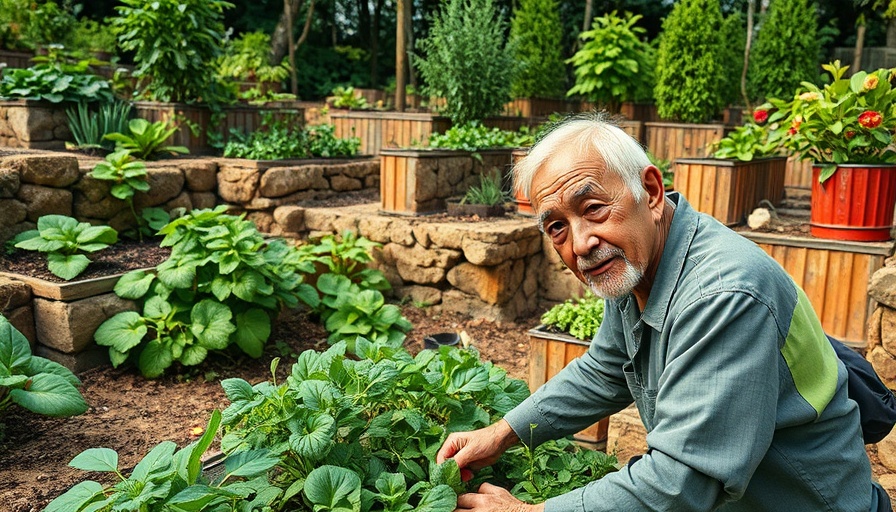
x: 870, y: 119
x: 792, y: 131
x: 850, y: 134
x: 760, y: 116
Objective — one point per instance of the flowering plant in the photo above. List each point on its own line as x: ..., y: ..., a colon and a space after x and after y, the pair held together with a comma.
x: 752, y: 140
x: 850, y: 120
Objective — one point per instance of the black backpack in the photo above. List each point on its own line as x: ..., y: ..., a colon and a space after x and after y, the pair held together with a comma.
x: 877, y: 404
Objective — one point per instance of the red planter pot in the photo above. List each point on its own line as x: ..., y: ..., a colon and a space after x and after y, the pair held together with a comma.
x: 856, y: 203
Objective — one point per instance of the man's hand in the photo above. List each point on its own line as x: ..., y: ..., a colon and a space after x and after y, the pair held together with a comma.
x: 477, y: 449
x: 491, y: 498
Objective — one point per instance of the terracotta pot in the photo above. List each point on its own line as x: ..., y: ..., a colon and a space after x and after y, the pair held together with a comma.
x: 856, y: 203
x: 523, y: 206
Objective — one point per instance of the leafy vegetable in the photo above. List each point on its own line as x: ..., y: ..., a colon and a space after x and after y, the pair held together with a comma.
x: 64, y: 239
x: 580, y: 318
x: 282, y: 139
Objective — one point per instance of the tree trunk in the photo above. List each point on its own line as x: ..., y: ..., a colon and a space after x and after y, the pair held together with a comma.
x: 400, y: 54
x: 751, y: 5
x: 860, y: 46
x: 281, y: 36
x: 586, y: 23
x: 375, y: 44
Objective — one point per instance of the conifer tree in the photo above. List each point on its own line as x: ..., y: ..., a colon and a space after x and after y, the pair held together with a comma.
x: 536, y: 32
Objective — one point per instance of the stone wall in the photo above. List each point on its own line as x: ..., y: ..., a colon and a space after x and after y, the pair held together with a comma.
x: 32, y: 185
x: 33, y: 124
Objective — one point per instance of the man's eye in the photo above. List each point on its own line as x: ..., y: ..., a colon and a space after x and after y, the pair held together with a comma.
x: 593, y: 208
x: 553, y: 229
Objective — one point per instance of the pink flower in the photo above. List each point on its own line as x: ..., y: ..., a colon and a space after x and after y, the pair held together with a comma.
x: 760, y: 116
x: 870, y: 119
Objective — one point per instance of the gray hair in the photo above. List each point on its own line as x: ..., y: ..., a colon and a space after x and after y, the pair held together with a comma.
x: 591, y: 134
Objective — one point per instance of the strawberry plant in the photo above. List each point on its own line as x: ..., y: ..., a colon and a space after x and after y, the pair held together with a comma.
x: 33, y: 382
x: 65, y: 240
x: 220, y: 287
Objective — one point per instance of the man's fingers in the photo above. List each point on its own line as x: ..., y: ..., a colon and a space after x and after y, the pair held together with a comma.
x: 465, y: 475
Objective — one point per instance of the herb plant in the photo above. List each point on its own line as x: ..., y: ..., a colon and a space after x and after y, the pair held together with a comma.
x: 473, y: 136
x: 146, y: 140
x: 128, y: 176
x: 90, y: 128
x: 466, y: 60
x: 220, y: 287
x: 282, y: 140
x: 65, y: 240
x: 580, y: 317
x: 614, y: 64
x: 344, y: 97
x: 347, y: 255
x: 35, y: 383
x: 489, y: 192
x: 171, y: 479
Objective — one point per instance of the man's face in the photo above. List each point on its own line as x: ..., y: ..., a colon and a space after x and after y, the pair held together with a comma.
x: 594, y: 222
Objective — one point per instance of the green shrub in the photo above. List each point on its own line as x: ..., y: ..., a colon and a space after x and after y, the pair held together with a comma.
x: 37, y: 384
x: 579, y: 318
x: 690, y: 66
x: 734, y: 34
x: 176, y: 44
x: 345, y: 97
x: 282, y: 139
x: 614, y: 64
x: 247, y: 57
x: 536, y: 32
x: 466, y: 61
x: 29, y: 25
x: 65, y: 240
x: 786, y: 50
x: 220, y: 287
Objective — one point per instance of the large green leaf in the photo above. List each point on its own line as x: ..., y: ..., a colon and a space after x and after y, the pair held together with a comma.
x: 44, y: 365
x: 253, y: 328
x: 96, y: 459
x: 211, y: 324
x: 334, y: 489
x: 438, y: 499
x: 76, y: 497
x: 122, y: 332
x: 51, y: 395
x: 155, y: 358
x: 134, y: 285
x: 157, y: 460
x: 15, y: 349
x: 67, y: 266
x: 312, y: 436
x: 250, y: 463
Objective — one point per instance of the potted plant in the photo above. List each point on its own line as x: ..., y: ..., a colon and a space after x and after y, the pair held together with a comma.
x: 847, y: 128
x: 746, y: 169
x: 484, y: 200
x: 565, y: 334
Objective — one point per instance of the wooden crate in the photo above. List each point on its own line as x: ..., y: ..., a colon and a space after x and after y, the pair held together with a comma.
x: 548, y: 354
x: 537, y: 107
x: 729, y: 189
x: 835, y: 277
x: 378, y: 130
x: 799, y: 174
x: 670, y: 141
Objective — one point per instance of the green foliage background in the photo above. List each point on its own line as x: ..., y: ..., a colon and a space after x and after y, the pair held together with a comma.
x: 786, y: 50
x: 537, y: 32
x: 466, y: 60
x: 690, y: 67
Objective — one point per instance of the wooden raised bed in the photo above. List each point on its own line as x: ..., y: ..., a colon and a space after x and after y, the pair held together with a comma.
x: 671, y: 141
x: 548, y: 354
x: 379, y: 130
x: 729, y: 189
x: 538, y: 107
x: 835, y: 277
x: 799, y: 174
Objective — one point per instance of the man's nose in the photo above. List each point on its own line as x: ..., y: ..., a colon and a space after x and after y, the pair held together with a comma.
x: 584, y: 238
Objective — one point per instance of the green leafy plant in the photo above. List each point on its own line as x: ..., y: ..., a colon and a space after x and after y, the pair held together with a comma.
x: 65, y: 240
x: 282, y: 139
x: 580, y: 317
x: 171, y: 479
x: 347, y: 255
x: 247, y: 58
x: 473, y: 136
x: 128, y: 176
x: 94, y: 36
x: 489, y: 192
x: 220, y: 286
x: 849, y: 120
x: 350, y: 312
x: 466, y: 61
x: 56, y: 83
x: 746, y: 143
x: 536, y: 32
x: 176, y: 44
x: 665, y: 167
x: 614, y: 64
x: 90, y: 128
x: 145, y: 140
x: 690, y: 63
x: 345, y: 97
x: 30, y: 25
x: 35, y: 383
x: 786, y: 50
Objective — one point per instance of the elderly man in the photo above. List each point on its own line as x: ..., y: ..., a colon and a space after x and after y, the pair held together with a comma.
x: 743, y: 398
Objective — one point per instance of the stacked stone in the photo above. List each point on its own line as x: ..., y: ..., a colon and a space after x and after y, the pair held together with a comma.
x: 15, y: 306
x: 33, y: 124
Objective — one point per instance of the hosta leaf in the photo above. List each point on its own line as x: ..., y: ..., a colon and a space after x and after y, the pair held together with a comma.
x: 15, y: 349
x: 191, y: 355
x: 316, y: 394
x: 237, y: 389
x: 96, y: 459
x: 179, y: 276
x: 43, y: 365
x: 468, y: 380
x: 155, y: 358
x: 211, y: 324
x: 253, y: 328
x: 247, y: 285
x: 50, y: 395
x: 334, y: 488
x: 122, y: 332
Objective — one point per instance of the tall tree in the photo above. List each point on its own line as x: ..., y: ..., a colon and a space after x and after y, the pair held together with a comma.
x: 535, y: 36
x: 786, y: 51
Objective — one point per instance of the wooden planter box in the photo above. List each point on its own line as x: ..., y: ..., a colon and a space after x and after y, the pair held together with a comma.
x: 15, y: 59
x: 798, y: 174
x: 548, y: 354
x: 416, y: 182
x: 835, y: 276
x: 730, y: 189
x: 671, y: 141
x: 539, y: 107
x: 378, y: 130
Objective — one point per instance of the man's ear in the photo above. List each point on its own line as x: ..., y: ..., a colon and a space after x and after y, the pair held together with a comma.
x: 652, y: 180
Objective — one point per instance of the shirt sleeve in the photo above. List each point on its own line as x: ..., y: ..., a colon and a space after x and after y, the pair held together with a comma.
x: 714, y: 419
x: 589, y: 388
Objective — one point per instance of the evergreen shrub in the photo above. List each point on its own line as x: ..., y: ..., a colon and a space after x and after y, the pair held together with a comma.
x: 537, y: 31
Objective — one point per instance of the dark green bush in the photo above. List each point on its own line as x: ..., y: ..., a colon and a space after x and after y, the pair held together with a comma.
x: 786, y: 50
x: 537, y: 34
x: 176, y: 44
x: 690, y: 63
x: 466, y: 60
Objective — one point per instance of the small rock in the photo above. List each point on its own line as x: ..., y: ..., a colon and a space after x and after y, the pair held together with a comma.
x: 760, y: 218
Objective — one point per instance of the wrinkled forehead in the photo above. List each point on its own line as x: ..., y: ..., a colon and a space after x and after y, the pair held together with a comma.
x: 567, y: 166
